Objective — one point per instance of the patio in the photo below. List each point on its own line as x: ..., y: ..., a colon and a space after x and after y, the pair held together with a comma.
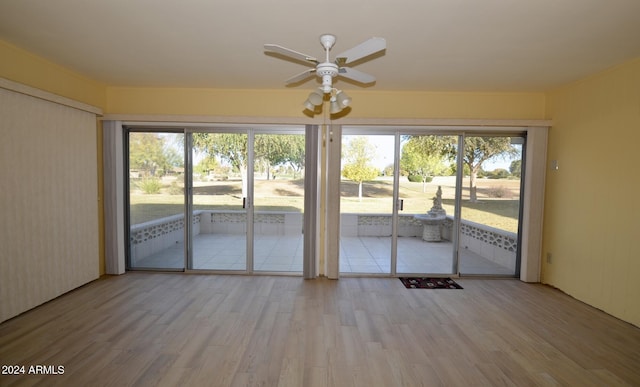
x: 358, y: 255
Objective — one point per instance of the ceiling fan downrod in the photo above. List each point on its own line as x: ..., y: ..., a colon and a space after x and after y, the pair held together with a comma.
x: 327, y: 70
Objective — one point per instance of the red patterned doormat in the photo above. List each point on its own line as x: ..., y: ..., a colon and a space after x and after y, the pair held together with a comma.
x: 429, y: 283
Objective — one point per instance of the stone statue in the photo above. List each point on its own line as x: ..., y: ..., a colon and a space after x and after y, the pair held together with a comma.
x: 437, y: 200
x: 437, y: 204
x: 433, y: 219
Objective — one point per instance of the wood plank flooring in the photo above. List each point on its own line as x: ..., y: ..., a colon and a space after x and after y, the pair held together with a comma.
x: 147, y: 329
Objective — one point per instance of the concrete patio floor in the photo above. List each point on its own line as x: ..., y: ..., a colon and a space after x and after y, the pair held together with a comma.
x: 358, y: 255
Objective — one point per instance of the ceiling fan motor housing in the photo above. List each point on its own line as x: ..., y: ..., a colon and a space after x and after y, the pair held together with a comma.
x: 327, y: 71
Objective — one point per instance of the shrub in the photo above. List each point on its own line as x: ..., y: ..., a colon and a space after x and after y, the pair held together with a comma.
x: 150, y: 185
x: 498, y: 173
x: 499, y: 192
x: 388, y: 170
x: 175, y: 189
x: 418, y: 179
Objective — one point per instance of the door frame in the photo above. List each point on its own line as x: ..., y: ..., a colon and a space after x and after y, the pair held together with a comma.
x: 126, y: 132
x: 537, y: 131
x: 249, y: 201
x: 397, y: 133
x: 530, y: 229
x: 248, y: 207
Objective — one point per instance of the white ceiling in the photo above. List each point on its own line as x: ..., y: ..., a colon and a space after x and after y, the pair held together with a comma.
x: 453, y: 45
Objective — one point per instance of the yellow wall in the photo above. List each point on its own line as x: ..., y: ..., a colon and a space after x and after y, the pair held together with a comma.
x: 592, y: 208
x: 288, y: 103
x: 23, y: 67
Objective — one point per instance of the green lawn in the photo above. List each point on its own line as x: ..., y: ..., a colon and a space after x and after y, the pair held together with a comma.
x: 287, y: 195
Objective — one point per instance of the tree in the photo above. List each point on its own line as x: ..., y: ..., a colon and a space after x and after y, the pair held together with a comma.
x: 296, y: 155
x: 281, y: 149
x: 151, y: 154
x: 357, y: 156
x: 498, y: 173
x: 206, y: 165
x: 416, y: 161
x: 516, y: 168
x: 388, y: 170
x: 232, y: 147
x: 477, y: 150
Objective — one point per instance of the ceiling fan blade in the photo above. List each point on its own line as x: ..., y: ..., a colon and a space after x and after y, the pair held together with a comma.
x: 355, y: 75
x: 300, y: 77
x: 362, y: 50
x: 290, y: 53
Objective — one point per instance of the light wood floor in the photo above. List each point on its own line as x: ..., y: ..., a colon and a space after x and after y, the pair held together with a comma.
x: 192, y: 330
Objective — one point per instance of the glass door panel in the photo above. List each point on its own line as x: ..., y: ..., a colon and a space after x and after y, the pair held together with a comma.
x: 156, y: 200
x: 278, y: 202
x: 366, y: 203
x: 219, y: 195
x: 491, y: 205
x: 427, y: 191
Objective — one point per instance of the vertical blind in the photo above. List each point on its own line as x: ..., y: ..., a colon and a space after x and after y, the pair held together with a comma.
x: 49, y: 242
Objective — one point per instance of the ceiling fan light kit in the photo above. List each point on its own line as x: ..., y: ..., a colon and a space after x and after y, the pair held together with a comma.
x: 343, y: 98
x: 328, y: 70
x: 316, y: 97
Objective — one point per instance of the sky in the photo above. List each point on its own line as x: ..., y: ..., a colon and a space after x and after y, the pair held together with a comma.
x: 384, y: 145
x: 385, y: 148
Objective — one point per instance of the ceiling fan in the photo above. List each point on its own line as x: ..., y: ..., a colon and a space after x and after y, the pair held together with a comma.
x: 328, y: 70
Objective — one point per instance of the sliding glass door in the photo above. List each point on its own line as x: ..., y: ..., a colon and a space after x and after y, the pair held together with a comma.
x: 367, y: 202
x: 412, y: 202
x: 214, y: 199
x: 246, y: 197
x: 490, y: 225
x: 156, y: 209
x: 278, y: 201
x: 398, y: 194
x: 218, y: 199
x: 421, y: 204
x: 427, y: 188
